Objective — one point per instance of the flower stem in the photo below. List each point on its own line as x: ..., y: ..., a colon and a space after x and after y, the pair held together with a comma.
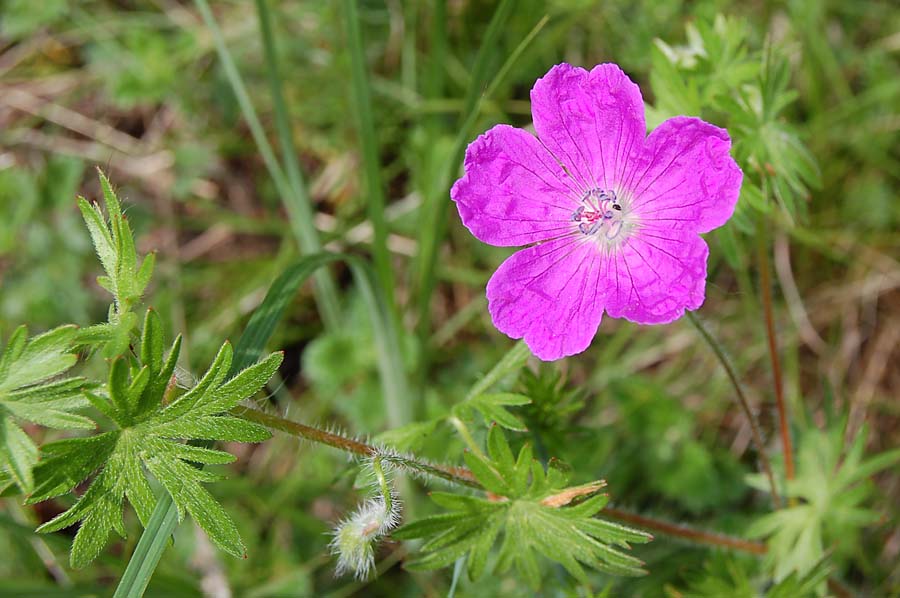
x: 765, y: 290
x: 383, y: 483
x: 742, y: 401
x: 687, y: 533
x: 464, y: 477
x: 456, y: 475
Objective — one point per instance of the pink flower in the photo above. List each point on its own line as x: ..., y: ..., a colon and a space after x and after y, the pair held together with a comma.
x: 611, y: 216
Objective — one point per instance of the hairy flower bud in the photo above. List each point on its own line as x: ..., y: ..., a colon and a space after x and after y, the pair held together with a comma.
x: 356, y: 536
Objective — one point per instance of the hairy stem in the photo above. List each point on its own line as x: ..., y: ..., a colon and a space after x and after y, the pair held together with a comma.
x: 765, y: 291
x: 383, y: 483
x: 742, y: 401
x: 464, y: 477
x: 456, y: 475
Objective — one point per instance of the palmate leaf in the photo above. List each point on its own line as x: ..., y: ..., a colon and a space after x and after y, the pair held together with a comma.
x: 30, y: 391
x: 151, y: 441
x: 533, y: 511
x: 834, y: 488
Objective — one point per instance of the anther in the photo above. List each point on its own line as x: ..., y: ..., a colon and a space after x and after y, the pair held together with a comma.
x: 577, y: 215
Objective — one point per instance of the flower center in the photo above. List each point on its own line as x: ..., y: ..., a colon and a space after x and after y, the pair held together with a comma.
x: 600, y: 213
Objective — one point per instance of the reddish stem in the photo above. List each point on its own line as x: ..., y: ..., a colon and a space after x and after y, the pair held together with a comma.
x: 457, y: 475
x: 765, y: 283
x: 463, y: 476
x: 687, y: 533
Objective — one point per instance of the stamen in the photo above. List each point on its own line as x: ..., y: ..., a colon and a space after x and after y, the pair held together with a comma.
x: 614, y: 229
x: 600, y: 208
x: 577, y: 215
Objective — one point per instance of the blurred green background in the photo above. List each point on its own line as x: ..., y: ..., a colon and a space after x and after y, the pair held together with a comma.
x: 135, y: 87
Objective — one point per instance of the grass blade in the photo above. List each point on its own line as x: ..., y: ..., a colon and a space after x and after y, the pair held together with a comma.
x: 294, y: 196
x: 434, y: 209
x: 362, y: 100
x: 149, y: 549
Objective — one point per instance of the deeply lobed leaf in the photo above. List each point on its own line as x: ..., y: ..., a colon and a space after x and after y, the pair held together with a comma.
x: 31, y: 392
x: 532, y: 512
x: 154, y: 440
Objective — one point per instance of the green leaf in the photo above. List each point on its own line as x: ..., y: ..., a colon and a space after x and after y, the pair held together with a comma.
x: 44, y: 356
x: 29, y: 391
x: 144, y: 273
x: 227, y: 428
x: 543, y: 519
x: 492, y: 408
x: 118, y: 387
x: 181, y: 482
x: 212, y: 379
x: 481, y: 549
x: 487, y: 474
x: 152, y: 345
x: 511, y: 362
x: 18, y: 454
x: 7, y: 483
x: 103, y: 243
x: 162, y: 378
x: 459, y: 502
x: 152, y: 438
x: 120, y: 334
x: 114, y: 243
x: 429, y: 526
x: 138, y: 491
x: 57, y: 394
x: 832, y: 483
x: 500, y: 453
x: 243, y: 386
x: 67, y: 462
x: 196, y: 454
x: 48, y: 417
x: 519, y: 478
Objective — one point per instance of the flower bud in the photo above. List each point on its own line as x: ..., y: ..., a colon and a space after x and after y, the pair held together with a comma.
x: 355, y: 537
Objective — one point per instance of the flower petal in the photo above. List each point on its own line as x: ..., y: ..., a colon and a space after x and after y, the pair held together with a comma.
x: 513, y: 191
x: 685, y: 177
x: 549, y: 295
x: 655, y: 276
x: 591, y: 121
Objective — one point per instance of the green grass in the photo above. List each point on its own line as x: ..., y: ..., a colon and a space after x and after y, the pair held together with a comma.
x: 245, y: 138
